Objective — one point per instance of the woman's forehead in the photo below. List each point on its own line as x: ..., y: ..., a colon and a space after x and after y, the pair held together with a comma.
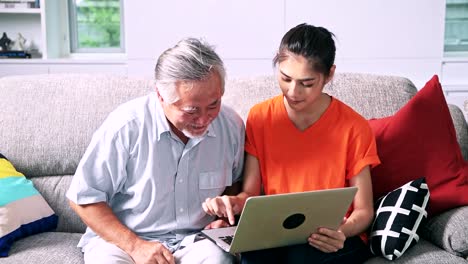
x: 298, y: 67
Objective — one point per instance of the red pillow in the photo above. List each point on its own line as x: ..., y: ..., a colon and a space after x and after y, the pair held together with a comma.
x: 420, y: 141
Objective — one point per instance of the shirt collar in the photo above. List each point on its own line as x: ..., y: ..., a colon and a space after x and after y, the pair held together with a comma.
x: 162, y: 125
x: 211, y: 132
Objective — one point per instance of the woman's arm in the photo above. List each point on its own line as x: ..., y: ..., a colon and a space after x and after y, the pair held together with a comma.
x: 363, y: 211
x: 328, y: 240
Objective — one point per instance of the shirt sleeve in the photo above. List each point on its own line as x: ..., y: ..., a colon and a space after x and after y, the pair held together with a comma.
x: 250, y: 146
x: 362, y: 149
x: 239, y: 135
x: 101, y: 172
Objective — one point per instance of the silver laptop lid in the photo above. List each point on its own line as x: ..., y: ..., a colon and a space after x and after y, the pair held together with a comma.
x: 286, y: 219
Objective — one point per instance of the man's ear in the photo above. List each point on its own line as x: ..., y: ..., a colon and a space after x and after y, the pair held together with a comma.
x: 161, y: 99
x: 332, y: 73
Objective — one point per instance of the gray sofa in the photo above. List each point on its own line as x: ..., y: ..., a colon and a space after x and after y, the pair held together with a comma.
x: 46, y: 122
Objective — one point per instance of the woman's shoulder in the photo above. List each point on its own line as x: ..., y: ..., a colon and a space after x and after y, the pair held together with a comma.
x: 267, y: 106
x: 349, y: 117
x: 346, y: 111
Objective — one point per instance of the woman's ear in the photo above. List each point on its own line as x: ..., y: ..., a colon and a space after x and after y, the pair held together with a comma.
x: 332, y: 73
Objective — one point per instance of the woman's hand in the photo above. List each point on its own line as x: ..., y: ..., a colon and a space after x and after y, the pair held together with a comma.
x: 327, y: 240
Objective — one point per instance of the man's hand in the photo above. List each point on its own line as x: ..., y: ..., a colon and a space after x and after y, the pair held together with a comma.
x: 327, y: 240
x: 223, y: 206
x: 146, y: 252
x: 217, y: 224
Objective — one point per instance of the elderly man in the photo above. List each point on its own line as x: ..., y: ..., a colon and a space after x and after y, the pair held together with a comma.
x: 142, y: 181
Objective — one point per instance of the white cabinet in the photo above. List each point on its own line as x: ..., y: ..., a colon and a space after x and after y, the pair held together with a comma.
x: 45, y: 28
x: 30, y: 23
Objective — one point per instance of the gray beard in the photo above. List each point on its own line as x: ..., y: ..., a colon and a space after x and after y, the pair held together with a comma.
x: 192, y: 136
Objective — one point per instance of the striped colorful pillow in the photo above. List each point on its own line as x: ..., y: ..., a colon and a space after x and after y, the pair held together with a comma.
x: 23, y: 211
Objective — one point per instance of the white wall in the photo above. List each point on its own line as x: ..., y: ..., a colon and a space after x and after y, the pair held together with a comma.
x: 396, y: 37
x: 388, y: 37
x: 244, y: 32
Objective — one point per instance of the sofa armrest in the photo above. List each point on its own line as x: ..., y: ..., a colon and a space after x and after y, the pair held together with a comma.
x: 449, y: 231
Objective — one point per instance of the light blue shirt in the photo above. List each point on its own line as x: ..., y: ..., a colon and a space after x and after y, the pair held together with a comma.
x: 154, y: 183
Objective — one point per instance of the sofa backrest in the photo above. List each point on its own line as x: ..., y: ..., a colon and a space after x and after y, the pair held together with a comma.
x: 46, y: 121
x: 373, y: 96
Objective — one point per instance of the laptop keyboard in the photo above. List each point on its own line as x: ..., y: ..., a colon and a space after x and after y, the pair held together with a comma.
x: 227, y: 239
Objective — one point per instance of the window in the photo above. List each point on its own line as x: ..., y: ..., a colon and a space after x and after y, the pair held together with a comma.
x: 96, y: 26
x: 456, y: 26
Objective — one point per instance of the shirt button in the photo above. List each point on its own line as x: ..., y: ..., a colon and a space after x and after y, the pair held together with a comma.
x: 181, y: 210
x: 181, y: 181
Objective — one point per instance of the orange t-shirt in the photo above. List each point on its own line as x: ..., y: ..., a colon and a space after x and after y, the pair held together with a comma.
x: 325, y: 155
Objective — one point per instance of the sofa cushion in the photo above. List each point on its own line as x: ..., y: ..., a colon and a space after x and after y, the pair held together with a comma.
x: 449, y: 231
x: 53, y: 188
x: 398, y: 218
x: 45, y: 248
x: 420, y: 140
x: 423, y: 252
x: 372, y: 96
x: 23, y: 211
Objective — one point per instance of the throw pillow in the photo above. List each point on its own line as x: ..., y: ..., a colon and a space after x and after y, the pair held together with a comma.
x: 420, y: 139
x: 23, y: 211
x: 399, y: 215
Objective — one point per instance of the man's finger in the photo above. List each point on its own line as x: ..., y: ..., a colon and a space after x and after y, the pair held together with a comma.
x: 205, y: 208
x: 161, y: 259
x: 217, y: 205
x: 169, y: 257
x: 229, y: 212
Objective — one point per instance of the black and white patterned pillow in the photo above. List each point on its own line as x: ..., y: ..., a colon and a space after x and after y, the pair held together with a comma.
x: 399, y: 215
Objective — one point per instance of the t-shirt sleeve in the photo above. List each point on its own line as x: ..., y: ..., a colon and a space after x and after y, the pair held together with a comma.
x: 239, y: 151
x: 102, y: 169
x: 362, y: 149
x: 251, y: 130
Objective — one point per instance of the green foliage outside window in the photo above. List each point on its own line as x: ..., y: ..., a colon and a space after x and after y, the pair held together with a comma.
x: 456, y: 26
x: 98, y: 23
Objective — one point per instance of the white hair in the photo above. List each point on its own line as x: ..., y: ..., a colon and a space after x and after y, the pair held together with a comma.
x: 189, y: 60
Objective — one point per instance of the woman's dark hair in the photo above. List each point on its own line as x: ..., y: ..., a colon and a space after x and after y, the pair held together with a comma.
x: 315, y: 44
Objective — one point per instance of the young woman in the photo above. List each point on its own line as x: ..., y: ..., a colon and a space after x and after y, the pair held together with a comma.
x: 304, y: 140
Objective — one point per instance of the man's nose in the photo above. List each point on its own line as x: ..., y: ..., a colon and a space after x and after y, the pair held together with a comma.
x: 203, y: 119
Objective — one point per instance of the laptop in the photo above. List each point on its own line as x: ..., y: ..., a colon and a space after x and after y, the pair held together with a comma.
x: 271, y: 221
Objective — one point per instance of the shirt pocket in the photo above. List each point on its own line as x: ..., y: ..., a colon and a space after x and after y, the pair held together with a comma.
x: 213, y: 183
